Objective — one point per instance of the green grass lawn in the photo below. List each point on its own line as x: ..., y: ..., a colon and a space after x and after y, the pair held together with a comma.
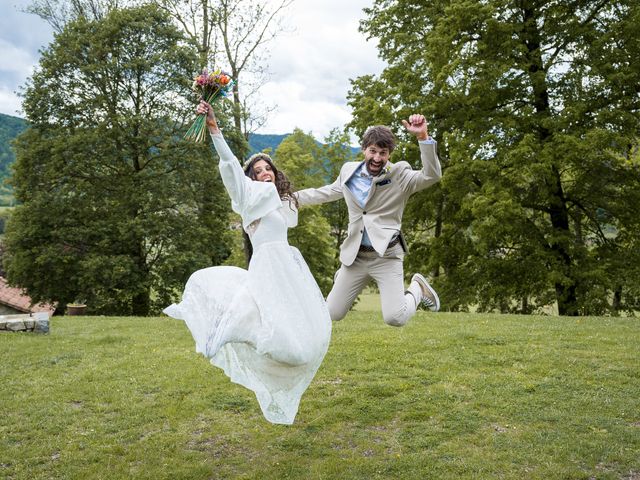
x: 449, y: 396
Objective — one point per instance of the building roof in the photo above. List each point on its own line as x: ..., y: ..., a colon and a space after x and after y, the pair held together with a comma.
x: 15, y: 298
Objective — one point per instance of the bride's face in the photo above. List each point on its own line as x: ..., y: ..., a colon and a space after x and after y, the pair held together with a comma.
x: 263, y: 173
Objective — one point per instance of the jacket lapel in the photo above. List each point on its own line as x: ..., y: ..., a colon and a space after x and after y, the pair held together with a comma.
x: 348, y: 174
x: 352, y: 167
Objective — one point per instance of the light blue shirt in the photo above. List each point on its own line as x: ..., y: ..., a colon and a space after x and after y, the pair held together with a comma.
x: 360, y: 184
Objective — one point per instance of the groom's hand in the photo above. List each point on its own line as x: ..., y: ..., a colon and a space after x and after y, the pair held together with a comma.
x: 417, y: 125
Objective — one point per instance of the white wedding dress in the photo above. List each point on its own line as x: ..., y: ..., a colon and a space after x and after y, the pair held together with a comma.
x: 267, y: 327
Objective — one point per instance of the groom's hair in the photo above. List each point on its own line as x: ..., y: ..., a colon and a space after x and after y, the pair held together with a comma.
x: 380, y: 136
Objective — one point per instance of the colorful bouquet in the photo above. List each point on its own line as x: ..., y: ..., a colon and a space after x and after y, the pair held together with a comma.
x: 210, y: 86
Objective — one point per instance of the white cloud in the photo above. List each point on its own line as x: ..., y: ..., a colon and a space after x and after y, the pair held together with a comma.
x: 21, y: 36
x: 10, y: 103
x: 15, y: 60
x: 296, y: 108
x: 311, y: 67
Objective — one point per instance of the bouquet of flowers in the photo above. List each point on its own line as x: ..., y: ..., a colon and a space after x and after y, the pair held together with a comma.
x: 210, y: 86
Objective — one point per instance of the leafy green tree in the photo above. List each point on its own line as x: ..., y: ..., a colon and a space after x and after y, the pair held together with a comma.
x: 116, y: 209
x: 535, y: 106
x: 300, y: 158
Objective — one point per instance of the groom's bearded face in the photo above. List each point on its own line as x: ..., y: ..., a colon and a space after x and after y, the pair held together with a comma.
x: 376, y: 158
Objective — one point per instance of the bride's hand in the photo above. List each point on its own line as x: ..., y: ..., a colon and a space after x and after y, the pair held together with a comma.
x: 206, y: 109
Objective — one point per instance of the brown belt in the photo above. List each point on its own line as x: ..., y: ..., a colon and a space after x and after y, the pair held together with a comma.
x: 392, y: 243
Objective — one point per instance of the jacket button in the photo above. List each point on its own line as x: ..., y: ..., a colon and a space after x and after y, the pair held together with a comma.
x: 361, y: 231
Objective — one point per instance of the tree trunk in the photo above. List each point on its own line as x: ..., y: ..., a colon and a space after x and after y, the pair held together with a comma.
x: 525, y: 305
x: 617, y: 300
x: 141, y: 302
x: 558, y: 211
x: 237, y: 105
x: 204, y: 47
x: 438, y: 230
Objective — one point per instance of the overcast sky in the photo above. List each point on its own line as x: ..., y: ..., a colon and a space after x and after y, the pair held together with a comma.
x: 310, y: 67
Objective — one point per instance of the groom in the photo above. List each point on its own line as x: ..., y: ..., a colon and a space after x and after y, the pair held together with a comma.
x: 376, y: 192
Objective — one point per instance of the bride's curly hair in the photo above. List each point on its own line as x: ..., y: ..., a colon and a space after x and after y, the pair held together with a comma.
x: 282, y: 183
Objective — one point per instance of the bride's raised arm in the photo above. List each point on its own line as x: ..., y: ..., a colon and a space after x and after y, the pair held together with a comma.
x: 251, y: 200
x: 233, y: 177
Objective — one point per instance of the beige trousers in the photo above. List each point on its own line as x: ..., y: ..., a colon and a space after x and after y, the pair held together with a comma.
x: 387, y: 271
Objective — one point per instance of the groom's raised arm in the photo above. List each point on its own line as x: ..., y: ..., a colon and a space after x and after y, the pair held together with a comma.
x: 315, y: 196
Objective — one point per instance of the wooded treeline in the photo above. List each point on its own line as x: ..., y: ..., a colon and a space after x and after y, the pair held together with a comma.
x: 534, y: 105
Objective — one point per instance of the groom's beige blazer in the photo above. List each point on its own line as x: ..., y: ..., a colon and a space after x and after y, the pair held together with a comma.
x: 382, y: 212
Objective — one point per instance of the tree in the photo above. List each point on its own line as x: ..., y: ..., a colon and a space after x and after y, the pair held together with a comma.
x: 233, y: 33
x: 60, y: 12
x: 116, y: 209
x: 300, y: 158
x: 536, y: 106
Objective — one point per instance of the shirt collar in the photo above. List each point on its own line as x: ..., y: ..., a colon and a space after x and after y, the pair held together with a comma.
x: 362, y: 171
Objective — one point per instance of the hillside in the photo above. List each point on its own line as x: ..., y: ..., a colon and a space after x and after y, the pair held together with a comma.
x: 259, y: 142
x: 10, y: 128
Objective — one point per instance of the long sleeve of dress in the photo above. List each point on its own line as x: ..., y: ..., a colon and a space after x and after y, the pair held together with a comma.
x: 252, y: 200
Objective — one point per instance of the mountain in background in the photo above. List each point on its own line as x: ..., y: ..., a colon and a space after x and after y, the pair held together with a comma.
x: 260, y: 142
x: 10, y: 128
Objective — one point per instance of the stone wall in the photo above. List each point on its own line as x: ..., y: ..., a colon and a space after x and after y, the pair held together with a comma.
x: 37, y: 322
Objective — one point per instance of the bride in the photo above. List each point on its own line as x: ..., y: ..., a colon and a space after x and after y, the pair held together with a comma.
x: 267, y: 327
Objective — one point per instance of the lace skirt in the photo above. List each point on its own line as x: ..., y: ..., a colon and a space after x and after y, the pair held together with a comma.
x: 267, y: 327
